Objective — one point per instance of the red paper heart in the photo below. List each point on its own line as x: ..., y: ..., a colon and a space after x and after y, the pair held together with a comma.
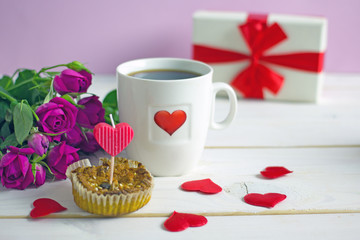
x: 204, y: 185
x: 113, y: 140
x: 268, y: 200
x: 170, y: 122
x: 275, y: 172
x: 45, y: 206
x: 181, y: 221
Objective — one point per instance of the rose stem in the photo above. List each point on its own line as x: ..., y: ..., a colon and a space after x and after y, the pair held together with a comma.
x: 112, y: 157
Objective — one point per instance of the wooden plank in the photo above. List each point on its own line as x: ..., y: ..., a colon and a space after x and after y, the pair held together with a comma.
x: 324, y: 181
x: 340, y: 89
x: 274, y: 124
x: 322, y: 226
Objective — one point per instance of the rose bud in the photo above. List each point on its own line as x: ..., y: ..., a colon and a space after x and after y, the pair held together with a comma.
x: 71, y: 81
x: 92, y: 113
x: 60, y: 157
x: 39, y: 142
x: 40, y: 175
x: 15, y: 169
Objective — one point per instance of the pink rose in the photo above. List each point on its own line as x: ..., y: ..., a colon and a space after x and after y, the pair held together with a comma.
x: 56, y: 117
x: 89, y: 145
x: 92, y: 113
x: 15, y: 168
x: 73, y: 137
x: 60, y: 157
x: 71, y: 81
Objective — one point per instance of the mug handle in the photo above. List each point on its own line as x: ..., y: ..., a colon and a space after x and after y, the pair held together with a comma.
x: 217, y: 87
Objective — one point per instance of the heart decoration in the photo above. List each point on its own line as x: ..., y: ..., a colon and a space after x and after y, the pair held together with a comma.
x: 113, y: 140
x: 170, y: 122
x: 45, y: 206
x: 268, y: 200
x: 274, y: 172
x: 181, y: 221
x: 204, y: 185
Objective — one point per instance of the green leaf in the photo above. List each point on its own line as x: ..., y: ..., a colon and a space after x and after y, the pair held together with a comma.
x: 68, y: 98
x: 9, y: 141
x: 3, y: 92
x: 3, y: 108
x: 51, y: 93
x: 37, y: 158
x: 6, y: 82
x: 6, y: 95
x: 111, y: 107
x: 111, y: 99
x: 8, y: 115
x: 114, y: 112
x: 24, y: 75
x: 47, y: 166
x: 5, y: 130
x: 78, y: 66
x: 26, y: 80
x: 33, y: 169
x: 23, y: 121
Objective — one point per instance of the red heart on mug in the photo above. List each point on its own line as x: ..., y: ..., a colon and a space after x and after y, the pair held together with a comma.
x: 275, y: 172
x: 181, y: 221
x: 45, y: 206
x: 204, y: 185
x: 268, y: 200
x: 113, y: 140
x: 170, y: 122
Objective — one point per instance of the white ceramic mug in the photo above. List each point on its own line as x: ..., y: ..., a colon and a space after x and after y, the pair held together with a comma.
x: 170, y: 118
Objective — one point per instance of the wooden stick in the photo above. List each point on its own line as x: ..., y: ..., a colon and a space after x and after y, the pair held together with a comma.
x: 112, y: 160
x: 112, y: 169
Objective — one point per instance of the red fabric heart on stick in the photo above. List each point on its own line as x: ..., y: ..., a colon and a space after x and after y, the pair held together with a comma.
x: 113, y: 139
x: 204, y: 185
x: 170, y: 122
x: 181, y: 221
x: 45, y: 206
x: 268, y: 200
x: 274, y: 172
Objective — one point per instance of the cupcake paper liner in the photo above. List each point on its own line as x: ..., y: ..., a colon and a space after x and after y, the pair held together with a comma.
x: 106, y: 204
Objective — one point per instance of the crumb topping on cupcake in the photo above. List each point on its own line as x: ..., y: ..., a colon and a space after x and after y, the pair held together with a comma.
x: 127, y: 178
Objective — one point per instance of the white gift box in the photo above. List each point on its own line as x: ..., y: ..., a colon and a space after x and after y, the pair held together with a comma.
x: 304, y: 35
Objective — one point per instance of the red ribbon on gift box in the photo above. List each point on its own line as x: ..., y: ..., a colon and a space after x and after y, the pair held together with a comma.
x: 260, y: 37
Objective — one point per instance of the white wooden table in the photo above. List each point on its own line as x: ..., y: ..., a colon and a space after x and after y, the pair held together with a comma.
x: 320, y: 143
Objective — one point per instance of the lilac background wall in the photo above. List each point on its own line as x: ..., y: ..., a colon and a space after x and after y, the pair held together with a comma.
x: 102, y: 34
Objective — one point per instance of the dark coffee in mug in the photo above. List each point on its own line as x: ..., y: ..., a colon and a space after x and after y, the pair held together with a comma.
x: 164, y: 74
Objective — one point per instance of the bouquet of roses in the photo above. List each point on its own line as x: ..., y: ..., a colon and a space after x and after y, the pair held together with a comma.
x: 46, y: 117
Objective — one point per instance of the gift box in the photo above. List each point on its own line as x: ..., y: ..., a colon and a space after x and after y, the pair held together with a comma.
x: 274, y: 56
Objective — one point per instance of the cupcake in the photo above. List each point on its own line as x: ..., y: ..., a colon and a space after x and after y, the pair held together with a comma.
x: 130, y: 190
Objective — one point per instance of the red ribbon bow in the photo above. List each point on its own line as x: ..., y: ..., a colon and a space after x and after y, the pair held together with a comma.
x: 256, y: 76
